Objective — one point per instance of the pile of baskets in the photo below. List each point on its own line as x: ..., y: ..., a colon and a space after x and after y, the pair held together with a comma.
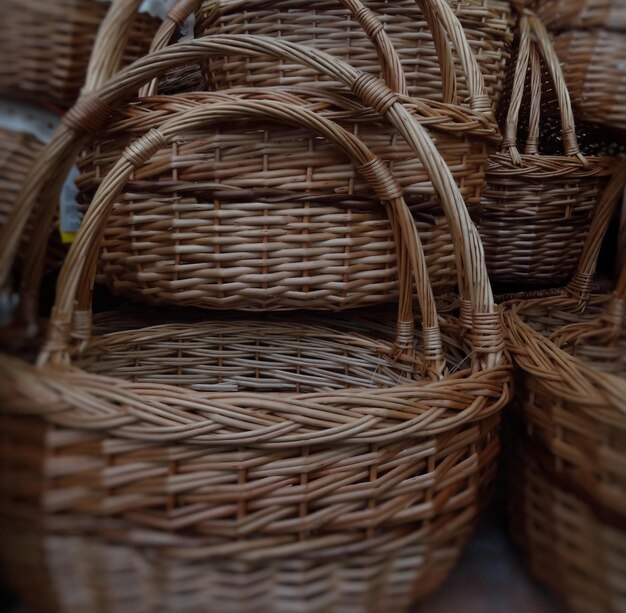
x: 256, y: 421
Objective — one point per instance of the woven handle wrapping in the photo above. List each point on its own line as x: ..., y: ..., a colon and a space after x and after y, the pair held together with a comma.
x: 91, y: 112
x: 535, y: 43
x: 78, y: 273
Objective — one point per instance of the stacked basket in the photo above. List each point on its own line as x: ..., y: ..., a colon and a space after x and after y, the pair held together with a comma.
x: 244, y: 462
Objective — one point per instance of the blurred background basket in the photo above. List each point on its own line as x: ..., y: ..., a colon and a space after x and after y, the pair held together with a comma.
x: 536, y: 206
x: 590, y: 40
x: 46, y: 46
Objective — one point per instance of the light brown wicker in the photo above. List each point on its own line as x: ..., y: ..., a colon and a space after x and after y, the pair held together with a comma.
x: 45, y: 46
x: 583, y: 14
x: 92, y: 111
x: 434, y: 40
x: 269, y: 217
x: 536, y: 208
x: 571, y: 393
x: 593, y: 65
x: 324, y: 468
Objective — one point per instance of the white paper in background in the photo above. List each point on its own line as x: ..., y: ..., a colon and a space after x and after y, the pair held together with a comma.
x: 41, y: 124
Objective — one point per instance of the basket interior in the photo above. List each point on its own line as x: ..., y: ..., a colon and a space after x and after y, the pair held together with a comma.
x: 255, y: 356
x: 583, y: 335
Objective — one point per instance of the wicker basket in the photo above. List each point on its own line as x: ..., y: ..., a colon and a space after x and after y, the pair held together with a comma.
x: 583, y: 14
x: 589, y: 38
x: 427, y: 58
x: 571, y: 496
x: 92, y: 111
x: 314, y: 465
x: 536, y: 208
x: 45, y: 46
x: 318, y: 235
x: 593, y: 65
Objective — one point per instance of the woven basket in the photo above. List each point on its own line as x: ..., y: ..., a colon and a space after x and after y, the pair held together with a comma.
x: 536, y: 208
x: 569, y: 543
x: 571, y: 394
x: 583, y: 14
x: 593, y: 65
x: 45, y: 46
x: 318, y: 235
x: 324, y: 469
x: 427, y: 58
x: 85, y: 116
x: 589, y: 38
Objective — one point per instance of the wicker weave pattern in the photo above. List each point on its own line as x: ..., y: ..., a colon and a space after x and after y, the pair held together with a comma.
x: 76, y: 574
x: 536, y: 208
x: 568, y: 14
x: 566, y: 545
x: 250, y: 205
x: 45, y: 46
x: 331, y: 28
x: 594, y: 72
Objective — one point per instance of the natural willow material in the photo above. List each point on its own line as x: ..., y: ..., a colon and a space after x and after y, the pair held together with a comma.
x: 91, y: 112
x: 17, y: 154
x: 593, y: 66
x: 434, y: 42
x: 261, y: 449
x: 260, y: 215
x: 536, y: 208
x: 571, y: 393
x: 45, y: 46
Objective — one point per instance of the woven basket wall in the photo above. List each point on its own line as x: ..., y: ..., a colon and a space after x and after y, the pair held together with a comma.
x: 330, y: 27
x: 45, y: 46
x: 260, y: 201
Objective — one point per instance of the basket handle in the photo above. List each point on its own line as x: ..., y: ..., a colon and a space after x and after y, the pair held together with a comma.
x: 444, y: 24
x: 90, y: 113
x: 534, y: 39
x: 111, y: 40
x: 79, y: 270
x: 581, y: 285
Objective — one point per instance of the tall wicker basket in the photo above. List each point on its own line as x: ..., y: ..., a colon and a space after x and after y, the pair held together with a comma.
x: 569, y: 498
x: 536, y: 207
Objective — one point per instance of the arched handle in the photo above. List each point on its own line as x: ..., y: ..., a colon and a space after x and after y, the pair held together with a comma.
x: 173, y: 22
x: 80, y: 266
x: 110, y: 43
x: 444, y: 23
x: 534, y: 39
x: 580, y: 286
x: 91, y: 112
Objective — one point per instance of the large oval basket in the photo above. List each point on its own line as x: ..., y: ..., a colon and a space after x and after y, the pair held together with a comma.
x: 331, y: 469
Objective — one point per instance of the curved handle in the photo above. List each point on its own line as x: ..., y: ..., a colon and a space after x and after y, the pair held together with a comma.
x: 173, y: 22
x: 110, y: 43
x: 91, y: 111
x: 80, y: 265
x: 581, y: 285
x: 441, y: 19
x: 534, y: 39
